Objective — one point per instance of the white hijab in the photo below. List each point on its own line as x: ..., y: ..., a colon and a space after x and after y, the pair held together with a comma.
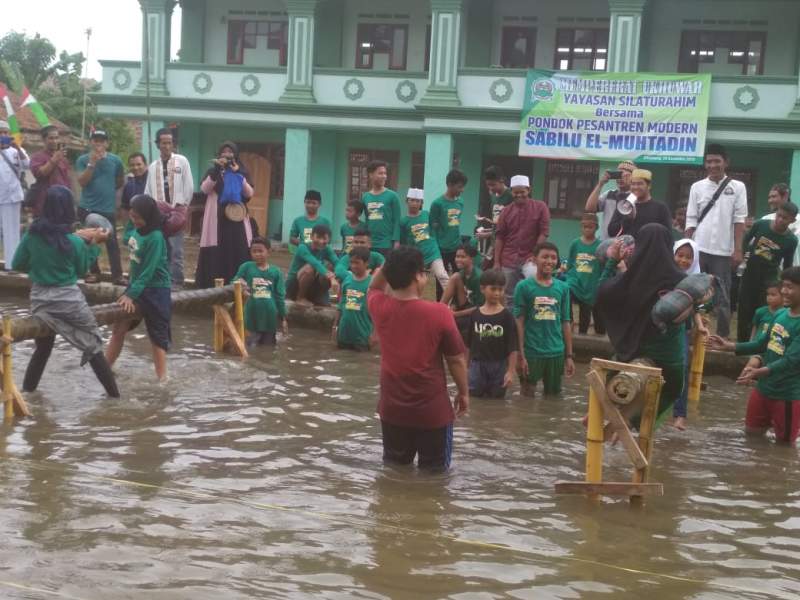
x: 695, y: 268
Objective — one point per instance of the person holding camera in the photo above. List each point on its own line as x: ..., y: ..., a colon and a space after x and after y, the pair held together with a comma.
x: 50, y: 167
x: 169, y: 181
x: 606, y: 202
x: 13, y: 161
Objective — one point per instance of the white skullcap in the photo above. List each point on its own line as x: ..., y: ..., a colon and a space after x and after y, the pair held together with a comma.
x: 415, y: 194
x: 520, y: 181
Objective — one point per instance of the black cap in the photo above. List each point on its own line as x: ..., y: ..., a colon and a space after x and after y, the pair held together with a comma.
x: 99, y: 133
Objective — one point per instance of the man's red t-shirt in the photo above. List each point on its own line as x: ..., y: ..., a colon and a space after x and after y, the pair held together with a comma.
x: 415, y: 335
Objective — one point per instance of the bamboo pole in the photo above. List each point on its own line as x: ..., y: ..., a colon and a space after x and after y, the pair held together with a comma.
x: 238, y: 308
x: 647, y: 427
x: 594, y: 438
x: 8, y: 376
x: 219, y: 337
x: 696, y: 366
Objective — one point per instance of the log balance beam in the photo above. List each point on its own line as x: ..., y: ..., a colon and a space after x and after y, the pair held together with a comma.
x: 633, y: 388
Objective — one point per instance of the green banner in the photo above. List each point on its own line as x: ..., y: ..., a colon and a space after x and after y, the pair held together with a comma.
x: 645, y: 117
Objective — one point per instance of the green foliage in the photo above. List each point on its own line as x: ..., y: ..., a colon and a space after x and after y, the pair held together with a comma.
x: 58, y: 86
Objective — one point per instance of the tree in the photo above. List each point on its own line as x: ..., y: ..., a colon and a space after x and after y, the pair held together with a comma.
x: 31, y: 61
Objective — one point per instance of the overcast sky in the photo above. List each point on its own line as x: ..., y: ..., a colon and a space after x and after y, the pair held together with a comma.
x: 116, y: 27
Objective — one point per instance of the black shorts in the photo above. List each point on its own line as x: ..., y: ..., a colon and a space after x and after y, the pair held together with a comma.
x: 355, y: 347
x: 262, y: 338
x: 155, y: 304
x: 318, y: 292
x: 434, y: 446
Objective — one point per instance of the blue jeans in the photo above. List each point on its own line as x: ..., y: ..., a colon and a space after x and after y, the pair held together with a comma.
x: 486, y: 378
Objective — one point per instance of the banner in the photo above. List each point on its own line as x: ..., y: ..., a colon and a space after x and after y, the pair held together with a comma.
x: 645, y: 117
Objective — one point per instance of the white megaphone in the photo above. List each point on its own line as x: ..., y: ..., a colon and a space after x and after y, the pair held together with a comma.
x: 627, y: 207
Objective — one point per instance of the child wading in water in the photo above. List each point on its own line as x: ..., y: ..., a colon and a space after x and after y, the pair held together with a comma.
x: 775, y: 401
x: 583, y: 274
x: 266, y: 294
x: 765, y: 314
x: 687, y: 259
x: 492, y: 340
x: 542, y: 309
x: 54, y: 257
x: 149, y: 287
x: 463, y: 290
x: 352, y: 328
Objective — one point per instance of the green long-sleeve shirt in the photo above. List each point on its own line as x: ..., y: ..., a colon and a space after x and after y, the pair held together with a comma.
x: 583, y: 270
x: 148, y: 263
x: 47, y: 265
x: 416, y: 231
x: 306, y: 255
x: 446, y: 222
x: 383, y: 217
x: 342, y: 267
x: 266, y: 303
x: 780, y: 350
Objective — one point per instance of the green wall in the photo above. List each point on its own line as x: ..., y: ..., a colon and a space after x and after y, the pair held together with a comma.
x: 328, y: 45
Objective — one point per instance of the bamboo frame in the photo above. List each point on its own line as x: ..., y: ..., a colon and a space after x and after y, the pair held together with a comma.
x: 639, y: 450
x: 696, y: 366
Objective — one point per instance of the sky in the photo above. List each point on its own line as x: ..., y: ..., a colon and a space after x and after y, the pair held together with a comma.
x: 116, y: 27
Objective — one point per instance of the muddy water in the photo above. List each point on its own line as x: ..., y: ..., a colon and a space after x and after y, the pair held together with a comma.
x: 263, y: 480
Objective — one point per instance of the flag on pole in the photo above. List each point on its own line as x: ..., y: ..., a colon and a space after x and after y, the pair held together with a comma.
x: 36, y: 108
x: 11, y: 118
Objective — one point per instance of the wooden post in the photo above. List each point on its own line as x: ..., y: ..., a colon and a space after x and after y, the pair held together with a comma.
x: 697, y: 365
x: 647, y: 427
x: 238, y: 308
x: 219, y: 338
x: 8, y: 376
x: 594, y: 438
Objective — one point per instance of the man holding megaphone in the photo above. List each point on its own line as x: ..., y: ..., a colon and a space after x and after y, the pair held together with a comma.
x: 638, y: 208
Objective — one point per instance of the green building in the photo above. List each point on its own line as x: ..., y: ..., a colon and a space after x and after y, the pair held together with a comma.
x: 312, y: 90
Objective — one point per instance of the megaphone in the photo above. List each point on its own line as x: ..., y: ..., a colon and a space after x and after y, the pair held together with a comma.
x: 627, y: 206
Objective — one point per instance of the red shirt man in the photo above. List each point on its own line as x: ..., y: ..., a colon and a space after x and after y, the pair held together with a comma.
x: 416, y: 337
x: 49, y: 166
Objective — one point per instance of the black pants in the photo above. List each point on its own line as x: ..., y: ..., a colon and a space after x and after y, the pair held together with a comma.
x: 433, y: 446
x: 586, y: 313
x: 449, y: 260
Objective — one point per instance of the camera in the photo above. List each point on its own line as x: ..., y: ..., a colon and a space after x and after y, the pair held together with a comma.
x: 614, y: 174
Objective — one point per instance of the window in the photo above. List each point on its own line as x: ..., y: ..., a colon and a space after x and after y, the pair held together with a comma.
x: 581, y: 49
x: 517, y: 47
x: 567, y: 185
x: 682, y: 178
x: 244, y: 35
x: 428, y: 48
x: 357, y: 181
x: 382, y: 47
x: 722, y: 52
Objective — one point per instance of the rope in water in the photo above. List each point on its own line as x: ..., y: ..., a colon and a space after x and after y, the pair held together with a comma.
x: 530, y: 552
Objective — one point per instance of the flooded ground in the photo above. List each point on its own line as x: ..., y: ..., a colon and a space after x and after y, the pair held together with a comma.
x: 264, y: 480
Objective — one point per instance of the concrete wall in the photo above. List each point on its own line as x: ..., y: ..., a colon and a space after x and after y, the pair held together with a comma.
x: 216, y: 47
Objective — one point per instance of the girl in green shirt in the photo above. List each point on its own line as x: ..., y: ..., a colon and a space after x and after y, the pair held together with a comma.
x: 54, y: 258
x: 148, y: 292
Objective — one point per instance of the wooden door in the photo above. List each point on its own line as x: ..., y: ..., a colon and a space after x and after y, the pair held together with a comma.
x: 260, y: 175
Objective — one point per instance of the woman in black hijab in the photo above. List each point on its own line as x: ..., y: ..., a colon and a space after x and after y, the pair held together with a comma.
x: 626, y: 300
x: 224, y: 243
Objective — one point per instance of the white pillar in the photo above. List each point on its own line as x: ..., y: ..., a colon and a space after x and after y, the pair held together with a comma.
x: 300, y: 59
x: 156, y: 34
x: 624, y: 35
x: 445, y: 53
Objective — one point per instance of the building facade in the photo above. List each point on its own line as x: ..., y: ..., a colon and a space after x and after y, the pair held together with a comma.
x: 312, y: 90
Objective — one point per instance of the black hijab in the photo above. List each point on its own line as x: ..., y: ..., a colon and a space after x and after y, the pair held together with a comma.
x: 146, y: 207
x: 57, y: 219
x: 625, y: 300
x: 214, y: 172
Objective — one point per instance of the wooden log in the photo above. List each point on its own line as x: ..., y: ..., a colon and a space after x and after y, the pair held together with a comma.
x: 696, y: 367
x: 619, y: 424
x: 609, y: 488
x: 625, y: 386
x: 633, y: 367
x: 25, y: 328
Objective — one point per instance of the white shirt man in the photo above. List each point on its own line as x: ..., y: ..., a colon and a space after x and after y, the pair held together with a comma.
x: 13, y: 162
x: 169, y: 179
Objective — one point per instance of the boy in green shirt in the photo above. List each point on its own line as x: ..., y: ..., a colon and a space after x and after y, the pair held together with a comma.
x: 300, y: 233
x: 352, y: 328
x: 583, y: 274
x: 775, y: 401
x: 383, y: 209
x: 361, y: 239
x: 415, y: 230
x: 309, y: 280
x: 463, y: 292
x: 769, y: 243
x: 265, y: 304
x: 353, y: 212
x: 764, y: 315
x: 446, y: 221
x: 542, y: 309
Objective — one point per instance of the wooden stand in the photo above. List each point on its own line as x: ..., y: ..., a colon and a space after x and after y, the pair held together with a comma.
x: 601, y: 408
x: 13, y: 402
x: 696, y: 366
x: 227, y: 333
